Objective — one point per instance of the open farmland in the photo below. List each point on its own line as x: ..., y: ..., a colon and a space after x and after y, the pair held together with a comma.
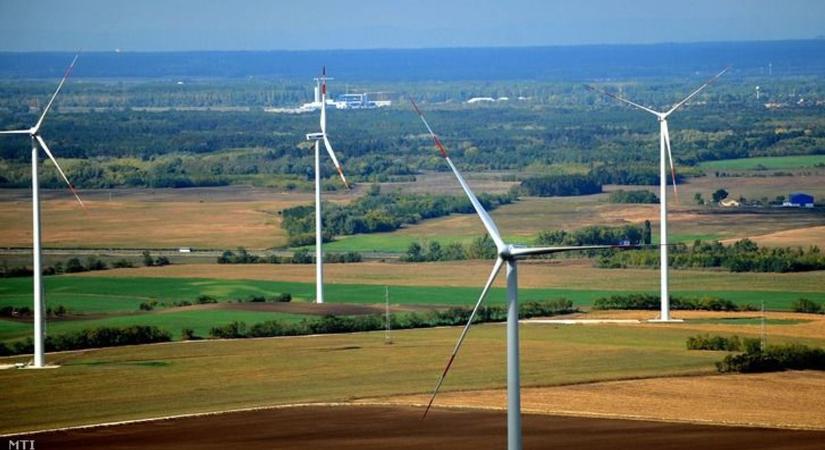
x: 563, y: 360
x: 379, y: 427
x: 202, y: 217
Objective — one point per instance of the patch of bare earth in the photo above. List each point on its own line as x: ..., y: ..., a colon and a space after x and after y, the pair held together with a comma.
x: 400, y: 427
x: 778, y: 400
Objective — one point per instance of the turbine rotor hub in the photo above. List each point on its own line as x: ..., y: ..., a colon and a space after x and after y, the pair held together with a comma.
x: 506, y: 253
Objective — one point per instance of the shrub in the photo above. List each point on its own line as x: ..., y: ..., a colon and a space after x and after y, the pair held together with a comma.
x: 302, y: 256
x: 145, y: 306
x: 100, y: 337
x: 804, y: 305
x: 232, y: 330
x: 720, y: 343
x: 286, y: 297
x: 621, y: 196
x: 774, y: 358
x: 73, y: 265
x: 122, y: 264
x: 652, y: 302
x: 204, y: 299
x: 187, y: 334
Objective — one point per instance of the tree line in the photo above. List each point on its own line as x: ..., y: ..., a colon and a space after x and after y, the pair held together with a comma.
x: 741, y: 256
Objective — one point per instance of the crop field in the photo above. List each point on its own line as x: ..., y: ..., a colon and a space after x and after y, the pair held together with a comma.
x: 200, y: 321
x: 248, y: 373
x: 202, y: 218
x: 113, y: 298
x: 767, y: 163
x: 230, y: 217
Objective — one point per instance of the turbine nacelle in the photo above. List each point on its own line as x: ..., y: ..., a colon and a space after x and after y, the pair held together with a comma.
x: 315, y: 136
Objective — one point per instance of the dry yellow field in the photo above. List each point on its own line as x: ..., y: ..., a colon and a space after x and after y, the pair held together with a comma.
x: 204, y: 218
x: 782, y: 400
x: 793, y: 325
x: 539, y: 274
x: 799, y: 237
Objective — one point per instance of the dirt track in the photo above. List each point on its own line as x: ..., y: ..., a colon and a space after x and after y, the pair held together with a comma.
x: 376, y: 427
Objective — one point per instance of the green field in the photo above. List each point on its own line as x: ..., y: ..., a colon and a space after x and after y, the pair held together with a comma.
x: 126, y: 294
x: 172, y: 321
x: 766, y: 163
x: 156, y: 380
x: 116, y: 301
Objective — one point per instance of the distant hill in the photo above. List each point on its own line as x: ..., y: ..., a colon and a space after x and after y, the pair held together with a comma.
x: 803, y: 57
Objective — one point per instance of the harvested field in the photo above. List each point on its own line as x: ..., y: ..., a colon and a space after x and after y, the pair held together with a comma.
x: 779, y: 400
x: 786, y: 325
x: 798, y: 237
x: 383, y: 427
x: 170, y: 218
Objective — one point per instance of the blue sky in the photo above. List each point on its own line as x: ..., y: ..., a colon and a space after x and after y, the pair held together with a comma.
x: 144, y: 25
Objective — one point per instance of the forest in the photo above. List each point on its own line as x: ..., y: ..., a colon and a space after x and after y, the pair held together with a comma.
x: 207, y: 132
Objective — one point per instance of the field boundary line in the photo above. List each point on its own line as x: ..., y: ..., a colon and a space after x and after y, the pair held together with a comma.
x: 597, y: 415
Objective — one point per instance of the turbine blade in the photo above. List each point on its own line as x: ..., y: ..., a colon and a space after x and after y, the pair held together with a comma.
x: 530, y: 251
x: 670, y: 159
x: 16, y: 132
x: 57, y: 91
x: 692, y: 94
x: 489, y: 225
x: 463, y: 334
x: 335, y: 160
x: 614, y: 96
x: 62, y: 174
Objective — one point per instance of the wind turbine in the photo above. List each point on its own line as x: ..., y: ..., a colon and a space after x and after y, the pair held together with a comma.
x: 39, y: 143
x: 318, y: 138
x: 506, y: 254
x: 664, y: 155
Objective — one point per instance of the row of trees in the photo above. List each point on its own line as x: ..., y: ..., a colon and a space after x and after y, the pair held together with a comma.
x: 350, y: 324
x: 481, y: 247
x: 92, y: 338
x: 653, y: 302
x: 598, y: 235
x: 377, y: 212
x: 560, y: 185
x: 622, y: 196
x: 741, y: 256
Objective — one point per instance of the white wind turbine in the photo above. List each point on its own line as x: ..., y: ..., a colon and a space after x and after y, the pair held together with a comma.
x: 664, y: 155
x: 318, y: 138
x: 507, y: 254
x: 39, y: 143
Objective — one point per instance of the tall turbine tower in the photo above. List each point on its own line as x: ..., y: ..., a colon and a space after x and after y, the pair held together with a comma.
x: 318, y: 138
x: 38, y: 143
x: 664, y: 156
x: 507, y: 254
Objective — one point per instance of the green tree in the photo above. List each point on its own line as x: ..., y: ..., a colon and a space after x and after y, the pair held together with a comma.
x: 647, y: 233
x: 719, y: 195
x: 697, y: 197
x: 434, y: 252
x: 148, y: 261
x: 414, y: 253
